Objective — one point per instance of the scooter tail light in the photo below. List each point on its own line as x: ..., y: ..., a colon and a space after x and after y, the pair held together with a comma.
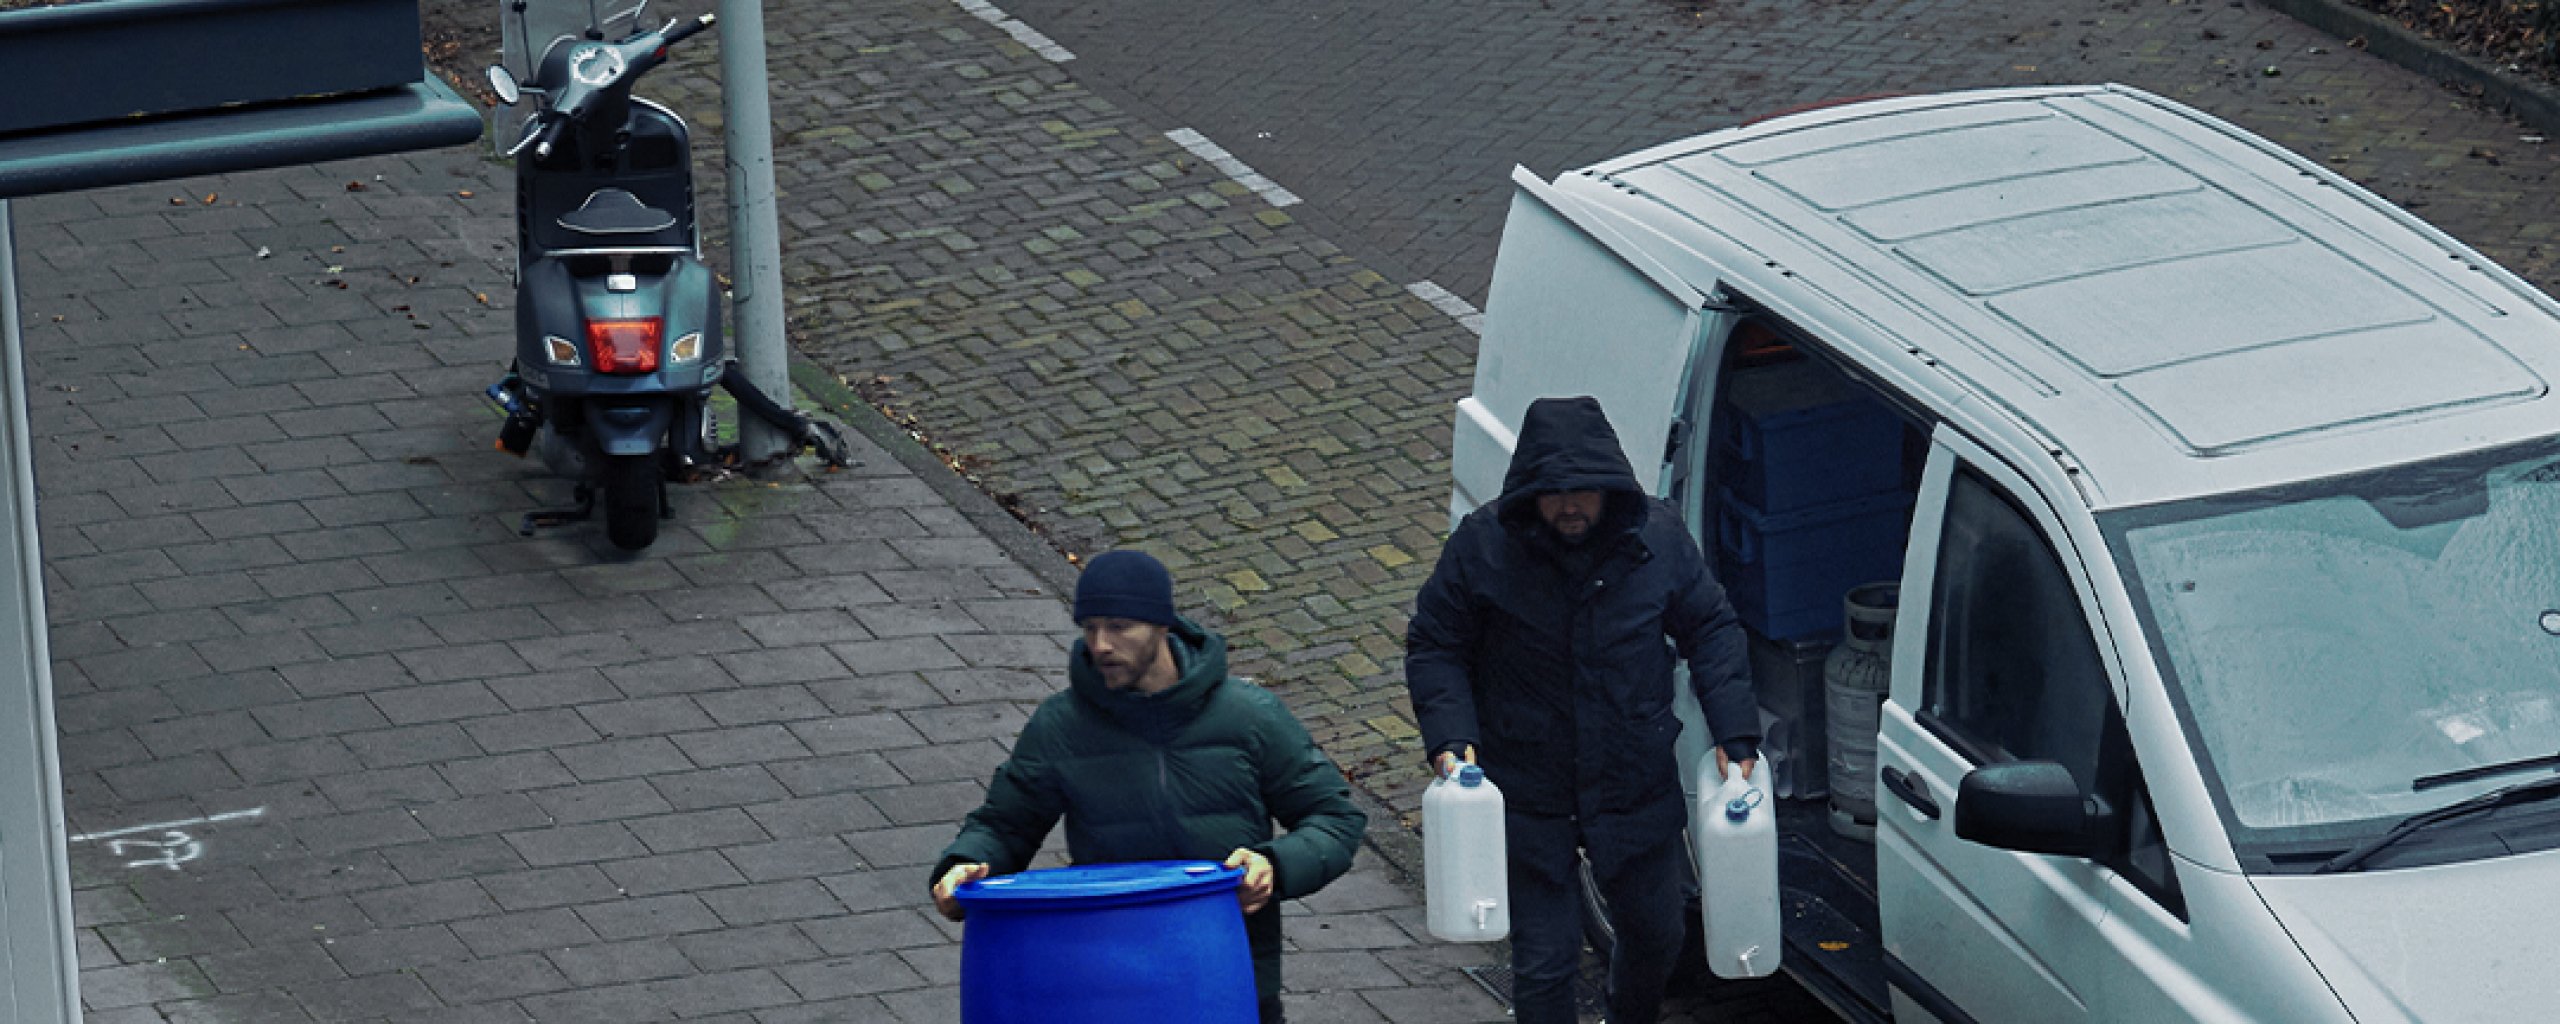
x: 561, y: 351
x: 686, y: 349
x: 625, y: 346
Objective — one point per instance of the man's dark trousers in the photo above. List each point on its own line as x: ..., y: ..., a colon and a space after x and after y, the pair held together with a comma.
x: 1646, y: 895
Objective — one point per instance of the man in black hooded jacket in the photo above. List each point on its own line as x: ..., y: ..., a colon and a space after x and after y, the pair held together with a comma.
x: 1542, y: 648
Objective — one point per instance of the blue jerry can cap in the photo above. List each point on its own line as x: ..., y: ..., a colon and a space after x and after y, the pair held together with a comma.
x: 1739, y: 808
x: 1088, y: 885
x: 1470, y: 775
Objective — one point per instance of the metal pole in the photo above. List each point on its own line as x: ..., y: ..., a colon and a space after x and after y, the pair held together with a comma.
x: 35, y: 866
x: 755, y: 232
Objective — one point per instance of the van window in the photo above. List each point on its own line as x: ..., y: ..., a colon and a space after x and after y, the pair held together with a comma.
x: 2347, y: 652
x: 2014, y: 673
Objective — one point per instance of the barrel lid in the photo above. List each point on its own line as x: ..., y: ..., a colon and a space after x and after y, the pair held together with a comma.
x: 1089, y: 883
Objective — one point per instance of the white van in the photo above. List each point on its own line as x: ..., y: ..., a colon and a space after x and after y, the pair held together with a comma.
x: 2224, y: 499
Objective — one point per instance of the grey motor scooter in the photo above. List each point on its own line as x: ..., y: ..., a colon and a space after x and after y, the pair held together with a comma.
x: 618, y: 341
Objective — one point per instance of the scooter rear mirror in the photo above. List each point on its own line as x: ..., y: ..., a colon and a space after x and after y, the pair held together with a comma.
x: 504, y: 84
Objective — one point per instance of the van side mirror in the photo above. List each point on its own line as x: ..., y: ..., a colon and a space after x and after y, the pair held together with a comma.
x: 2031, y: 807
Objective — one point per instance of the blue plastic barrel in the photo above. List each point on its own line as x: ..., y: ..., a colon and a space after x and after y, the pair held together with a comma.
x: 1151, y: 942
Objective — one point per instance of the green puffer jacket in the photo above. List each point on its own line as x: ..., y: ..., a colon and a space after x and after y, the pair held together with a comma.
x: 1193, y: 772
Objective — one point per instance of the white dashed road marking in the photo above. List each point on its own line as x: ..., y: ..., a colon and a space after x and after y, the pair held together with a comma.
x: 1468, y: 316
x: 1021, y: 33
x: 1201, y: 147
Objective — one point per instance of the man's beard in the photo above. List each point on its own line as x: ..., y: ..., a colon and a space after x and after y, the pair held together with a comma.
x: 1125, y: 675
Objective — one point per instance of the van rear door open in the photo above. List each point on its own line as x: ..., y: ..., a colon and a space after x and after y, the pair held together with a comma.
x: 1573, y: 310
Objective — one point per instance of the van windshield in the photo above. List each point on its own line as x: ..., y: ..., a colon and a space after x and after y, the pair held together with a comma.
x: 2331, y: 643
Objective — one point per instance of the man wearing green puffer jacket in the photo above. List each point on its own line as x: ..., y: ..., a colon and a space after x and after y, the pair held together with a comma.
x: 1153, y: 753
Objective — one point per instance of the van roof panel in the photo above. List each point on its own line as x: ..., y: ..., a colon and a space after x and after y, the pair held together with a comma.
x: 1855, y: 131
x: 2005, y: 253
x: 2205, y: 306
x: 2175, y: 305
x: 1894, y: 220
x: 2221, y: 403
x: 1844, y: 176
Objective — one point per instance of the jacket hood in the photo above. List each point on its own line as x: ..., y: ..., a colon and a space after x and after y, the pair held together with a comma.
x: 1567, y: 444
x: 1202, y: 658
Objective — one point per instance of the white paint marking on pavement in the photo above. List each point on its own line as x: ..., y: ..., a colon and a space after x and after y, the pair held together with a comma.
x: 172, y: 847
x: 1039, y: 44
x: 165, y: 826
x: 1447, y: 302
x: 1218, y: 157
x: 1026, y: 35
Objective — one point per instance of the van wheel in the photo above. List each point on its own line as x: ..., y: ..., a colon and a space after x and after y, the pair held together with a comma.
x: 631, y: 500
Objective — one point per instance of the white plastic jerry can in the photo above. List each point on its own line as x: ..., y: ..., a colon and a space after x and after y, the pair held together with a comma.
x: 1737, y: 846
x: 1465, y: 879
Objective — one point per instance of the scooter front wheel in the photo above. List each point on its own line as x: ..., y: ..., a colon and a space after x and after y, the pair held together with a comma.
x: 631, y: 500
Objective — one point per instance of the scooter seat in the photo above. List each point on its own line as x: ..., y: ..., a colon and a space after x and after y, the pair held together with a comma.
x: 612, y: 211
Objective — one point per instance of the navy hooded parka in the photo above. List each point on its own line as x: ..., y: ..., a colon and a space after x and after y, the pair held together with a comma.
x: 1555, y: 660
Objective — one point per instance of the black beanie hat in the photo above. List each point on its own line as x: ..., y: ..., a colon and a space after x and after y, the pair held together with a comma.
x: 1125, y: 585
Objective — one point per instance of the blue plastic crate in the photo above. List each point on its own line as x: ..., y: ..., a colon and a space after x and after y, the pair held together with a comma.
x: 1797, y: 435
x: 1787, y: 572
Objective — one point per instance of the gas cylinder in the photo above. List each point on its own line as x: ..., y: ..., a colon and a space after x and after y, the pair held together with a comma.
x: 1465, y: 867
x: 1737, y: 848
x: 1855, y: 679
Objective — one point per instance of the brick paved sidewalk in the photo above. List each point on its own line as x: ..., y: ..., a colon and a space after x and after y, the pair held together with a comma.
x: 1116, y: 337
x: 339, y: 746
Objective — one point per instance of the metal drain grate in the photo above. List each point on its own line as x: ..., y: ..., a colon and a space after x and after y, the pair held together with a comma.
x: 1495, y: 979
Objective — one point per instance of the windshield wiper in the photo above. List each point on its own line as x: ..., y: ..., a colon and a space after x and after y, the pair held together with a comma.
x: 2427, y: 782
x: 2503, y: 796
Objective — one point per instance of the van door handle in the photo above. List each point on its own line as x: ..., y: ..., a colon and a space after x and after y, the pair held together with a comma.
x: 1908, y: 786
